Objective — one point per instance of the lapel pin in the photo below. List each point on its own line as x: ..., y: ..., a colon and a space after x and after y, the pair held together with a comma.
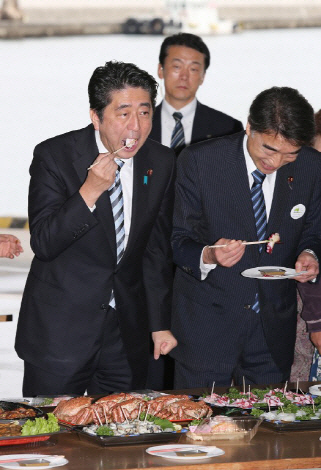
x: 290, y: 181
x: 149, y: 173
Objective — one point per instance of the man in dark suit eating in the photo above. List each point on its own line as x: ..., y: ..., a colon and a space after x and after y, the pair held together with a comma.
x: 245, y: 187
x: 100, y: 209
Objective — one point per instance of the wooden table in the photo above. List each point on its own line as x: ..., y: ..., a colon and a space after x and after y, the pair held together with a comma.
x: 268, y: 450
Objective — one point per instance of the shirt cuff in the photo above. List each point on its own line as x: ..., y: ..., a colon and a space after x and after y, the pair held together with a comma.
x: 205, y: 268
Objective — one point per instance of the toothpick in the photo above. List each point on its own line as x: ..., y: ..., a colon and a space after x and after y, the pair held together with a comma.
x: 243, y: 385
x: 146, y: 414
x: 212, y: 388
x: 140, y: 408
x: 98, y: 417
x: 297, y: 385
x: 285, y: 387
x: 269, y: 405
x: 243, y: 243
x: 249, y: 392
x: 107, y: 153
x: 301, y: 391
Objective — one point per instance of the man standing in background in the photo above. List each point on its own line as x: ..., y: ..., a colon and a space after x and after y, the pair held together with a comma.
x: 181, y: 119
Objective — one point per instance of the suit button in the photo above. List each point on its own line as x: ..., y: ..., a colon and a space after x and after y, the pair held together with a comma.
x: 247, y: 306
x: 103, y: 306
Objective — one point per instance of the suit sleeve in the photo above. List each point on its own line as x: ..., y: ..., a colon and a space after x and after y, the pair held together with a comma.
x: 56, y: 218
x: 186, y: 243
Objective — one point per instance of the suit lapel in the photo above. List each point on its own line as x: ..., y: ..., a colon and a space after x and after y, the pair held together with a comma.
x: 201, y: 124
x: 241, y: 194
x: 156, y: 132
x: 87, y: 152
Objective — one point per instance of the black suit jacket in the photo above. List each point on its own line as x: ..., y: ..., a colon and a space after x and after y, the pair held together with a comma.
x: 208, y: 123
x: 213, y: 201
x: 74, y: 268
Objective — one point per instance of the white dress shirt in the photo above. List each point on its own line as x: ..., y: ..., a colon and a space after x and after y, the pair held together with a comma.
x: 126, y: 178
x: 267, y: 188
x: 168, y: 122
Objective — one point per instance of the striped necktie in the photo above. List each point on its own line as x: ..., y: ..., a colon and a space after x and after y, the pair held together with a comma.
x: 117, y: 205
x: 178, y: 138
x: 258, y: 203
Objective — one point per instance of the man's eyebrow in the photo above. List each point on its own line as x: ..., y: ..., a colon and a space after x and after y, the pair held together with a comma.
x: 276, y: 150
x: 124, y: 106
x: 180, y: 60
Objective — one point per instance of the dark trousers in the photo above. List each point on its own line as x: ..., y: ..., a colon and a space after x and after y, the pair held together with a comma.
x: 254, y: 363
x: 106, y: 372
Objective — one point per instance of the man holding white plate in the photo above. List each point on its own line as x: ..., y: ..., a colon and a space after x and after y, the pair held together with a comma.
x: 245, y: 187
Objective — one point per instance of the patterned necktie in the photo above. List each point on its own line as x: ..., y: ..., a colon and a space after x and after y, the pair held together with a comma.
x: 258, y: 203
x: 117, y: 205
x: 178, y: 138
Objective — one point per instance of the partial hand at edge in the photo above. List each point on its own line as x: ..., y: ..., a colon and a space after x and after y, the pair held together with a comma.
x: 316, y: 339
x: 10, y: 246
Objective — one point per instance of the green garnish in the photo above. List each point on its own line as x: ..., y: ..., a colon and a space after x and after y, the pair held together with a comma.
x: 104, y: 431
x: 40, y: 426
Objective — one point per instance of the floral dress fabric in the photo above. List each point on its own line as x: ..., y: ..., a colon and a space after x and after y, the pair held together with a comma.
x: 303, y: 352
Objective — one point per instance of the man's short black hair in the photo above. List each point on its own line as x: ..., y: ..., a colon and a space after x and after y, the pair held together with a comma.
x: 187, y: 40
x: 115, y: 76
x: 283, y: 111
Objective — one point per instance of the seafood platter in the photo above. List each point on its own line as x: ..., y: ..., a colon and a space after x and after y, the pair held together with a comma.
x: 279, y: 409
x: 130, y: 418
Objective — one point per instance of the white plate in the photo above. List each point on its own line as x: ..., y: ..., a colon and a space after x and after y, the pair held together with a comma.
x: 315, y: 389
x: 254, y: 273
x: 53, y: 461
x: 171, y: 451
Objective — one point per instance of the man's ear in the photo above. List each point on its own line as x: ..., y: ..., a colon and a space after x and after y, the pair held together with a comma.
x: 160, y: 71
x: 248, y: 129
x: 94, y: 119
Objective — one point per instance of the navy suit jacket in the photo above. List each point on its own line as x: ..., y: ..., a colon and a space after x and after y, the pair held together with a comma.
x: 74, y: 268
x: 208, y: 123
x: 213, y: 201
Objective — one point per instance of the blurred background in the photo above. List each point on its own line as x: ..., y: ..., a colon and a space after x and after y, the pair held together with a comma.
x: 49, y: 49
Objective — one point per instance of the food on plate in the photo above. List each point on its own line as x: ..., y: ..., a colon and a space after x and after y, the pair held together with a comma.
x: 11, y: 410
x: 272, y: 272
x: 10, y: 429
x: 219, y: 427
x: 144, y: 424
x: 40, y: 426
x: 274, y: 238
x: 121, y: 407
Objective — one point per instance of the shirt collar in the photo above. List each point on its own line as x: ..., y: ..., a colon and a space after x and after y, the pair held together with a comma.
x: 102, y: 149
x: 188, y: 111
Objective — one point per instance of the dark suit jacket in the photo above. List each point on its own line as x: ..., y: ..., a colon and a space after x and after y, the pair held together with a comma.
x: 74, y: 268
x: 213, y: 201
x: 208, y: 123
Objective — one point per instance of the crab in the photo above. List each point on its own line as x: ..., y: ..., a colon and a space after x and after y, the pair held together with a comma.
x: 186, y: 409
x: 159, y: 403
